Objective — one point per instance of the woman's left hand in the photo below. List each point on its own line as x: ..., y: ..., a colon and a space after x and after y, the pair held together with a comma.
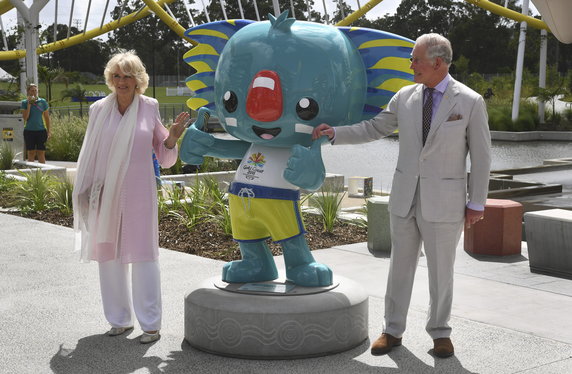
x: 177, y: 129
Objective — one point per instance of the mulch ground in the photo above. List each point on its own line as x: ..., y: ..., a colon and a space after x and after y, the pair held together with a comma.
x: 208, y: 240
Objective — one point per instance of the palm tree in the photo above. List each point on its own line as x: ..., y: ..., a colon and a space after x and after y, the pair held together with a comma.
x: 48, y: 76
x: 77, y: 93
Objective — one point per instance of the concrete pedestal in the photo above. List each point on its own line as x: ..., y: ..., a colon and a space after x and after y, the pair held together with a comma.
x: 365, y: 184
x: 549, y: 240
x: 276, y: 320
x: 378, y: 233
x: 499, y: 233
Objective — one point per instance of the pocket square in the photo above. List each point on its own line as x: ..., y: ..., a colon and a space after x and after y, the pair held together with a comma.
x: 455, y: 117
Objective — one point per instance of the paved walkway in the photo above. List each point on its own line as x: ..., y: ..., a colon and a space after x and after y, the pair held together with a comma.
x: 505, y: 319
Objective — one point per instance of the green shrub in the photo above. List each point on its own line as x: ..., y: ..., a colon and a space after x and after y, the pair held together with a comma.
x: 500, y: 119
x: 555, y: 118
x: 173, y: 201
x: 527, y: 117
x: 212, y: 164
x: 568, y: 114
x: 503, y: 86
x: 193, y: 209
x: 67, y: 137
x: 524, y: 122
x: 5, y: 183
x: 500, y: 116
x: 7, y: 187
x: 217, y: 202
x: 62, y: 195
x: 6, y: 156
x: 328, y: 201
x: 477, y: 82
x: 35, y: 193
x: 176, y: 169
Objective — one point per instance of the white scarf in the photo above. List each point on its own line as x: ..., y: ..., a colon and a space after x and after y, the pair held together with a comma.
x: 94, y: 209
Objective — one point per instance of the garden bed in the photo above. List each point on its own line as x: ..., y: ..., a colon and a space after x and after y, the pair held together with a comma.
x: 208, y: 239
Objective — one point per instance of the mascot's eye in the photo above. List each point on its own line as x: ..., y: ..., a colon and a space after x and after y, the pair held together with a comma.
x: 307, y: 108
x: 230, y: 101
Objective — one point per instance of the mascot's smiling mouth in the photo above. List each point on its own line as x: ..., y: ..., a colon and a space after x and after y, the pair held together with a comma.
x: 266, y: 134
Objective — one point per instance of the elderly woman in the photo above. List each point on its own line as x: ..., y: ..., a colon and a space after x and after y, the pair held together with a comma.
x: 115, y: 195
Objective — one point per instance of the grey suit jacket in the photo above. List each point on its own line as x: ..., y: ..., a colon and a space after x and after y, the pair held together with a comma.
x: 459, y: 127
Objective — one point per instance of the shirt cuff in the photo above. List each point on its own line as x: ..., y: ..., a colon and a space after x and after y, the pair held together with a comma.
x: 477, y: 207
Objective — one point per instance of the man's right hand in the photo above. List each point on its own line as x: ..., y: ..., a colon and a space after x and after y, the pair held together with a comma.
x: 323, y: 129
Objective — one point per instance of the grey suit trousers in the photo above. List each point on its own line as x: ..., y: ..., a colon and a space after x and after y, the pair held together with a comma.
x: 439, y: 242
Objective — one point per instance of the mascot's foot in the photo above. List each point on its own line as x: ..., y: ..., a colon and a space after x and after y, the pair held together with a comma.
x: 310, y: 275
x: 244, y: 271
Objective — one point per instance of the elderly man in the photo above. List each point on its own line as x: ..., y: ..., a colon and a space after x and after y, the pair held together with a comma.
x: 440, y: 121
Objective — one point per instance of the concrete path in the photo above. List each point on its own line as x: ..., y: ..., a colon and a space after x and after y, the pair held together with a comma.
x: 505, y: 319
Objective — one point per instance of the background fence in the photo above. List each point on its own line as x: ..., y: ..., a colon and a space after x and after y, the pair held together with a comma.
x: 168, y: 111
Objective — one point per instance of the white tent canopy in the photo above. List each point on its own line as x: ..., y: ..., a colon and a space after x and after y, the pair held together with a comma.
x: 557, y: 14
x: 5, y: 76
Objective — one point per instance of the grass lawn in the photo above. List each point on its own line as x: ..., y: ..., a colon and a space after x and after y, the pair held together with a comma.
x: 58, y: 88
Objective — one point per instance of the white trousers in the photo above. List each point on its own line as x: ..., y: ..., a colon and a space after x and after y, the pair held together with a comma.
x: 145, y: 297
x: 440, y: 242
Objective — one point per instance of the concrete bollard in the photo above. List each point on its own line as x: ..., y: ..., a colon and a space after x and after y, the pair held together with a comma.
x: 365, y: 184
x: 378, y: 235
x: 549, y: 240
x: 500, y: 233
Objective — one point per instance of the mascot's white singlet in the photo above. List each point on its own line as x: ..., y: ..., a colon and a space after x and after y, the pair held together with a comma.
x: 264, y: 166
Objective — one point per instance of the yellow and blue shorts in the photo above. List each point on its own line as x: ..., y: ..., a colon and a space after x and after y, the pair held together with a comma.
x: 258, y: 213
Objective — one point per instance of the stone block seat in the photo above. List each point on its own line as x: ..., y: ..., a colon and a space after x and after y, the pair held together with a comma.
x: 378, y: 234
x: 549, y: 239
x: 499, y: 233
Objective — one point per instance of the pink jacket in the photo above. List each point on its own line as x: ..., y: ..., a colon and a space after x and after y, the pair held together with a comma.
x: 139, y: 234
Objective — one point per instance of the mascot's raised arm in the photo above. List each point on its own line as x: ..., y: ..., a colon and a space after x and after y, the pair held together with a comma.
x: 269, y: 84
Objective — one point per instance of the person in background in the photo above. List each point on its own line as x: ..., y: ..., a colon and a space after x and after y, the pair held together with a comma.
x: 37, y: 124
x: 440, y: 121
x: 115, y: 196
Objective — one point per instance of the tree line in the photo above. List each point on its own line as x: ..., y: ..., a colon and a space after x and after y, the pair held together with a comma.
x: 482, y: 42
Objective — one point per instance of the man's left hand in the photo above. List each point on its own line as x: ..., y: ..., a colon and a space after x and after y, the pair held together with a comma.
x: 473, y: 216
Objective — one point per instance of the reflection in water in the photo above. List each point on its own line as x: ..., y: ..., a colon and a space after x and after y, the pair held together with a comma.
x: 378, y: 159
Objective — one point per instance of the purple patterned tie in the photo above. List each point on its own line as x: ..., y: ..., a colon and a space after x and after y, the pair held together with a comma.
x: 427, y: 113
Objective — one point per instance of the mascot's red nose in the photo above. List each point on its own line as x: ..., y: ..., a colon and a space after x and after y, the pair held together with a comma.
x: 264, y: 100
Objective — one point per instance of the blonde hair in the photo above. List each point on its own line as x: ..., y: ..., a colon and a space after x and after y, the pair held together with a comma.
x: 130, y: 64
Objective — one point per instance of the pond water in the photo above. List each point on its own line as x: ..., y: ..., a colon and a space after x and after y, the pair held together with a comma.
x: 378, y: 159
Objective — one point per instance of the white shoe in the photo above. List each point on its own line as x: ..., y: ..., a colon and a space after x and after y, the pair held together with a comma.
x: 147, y: 338
x: 118, y: 330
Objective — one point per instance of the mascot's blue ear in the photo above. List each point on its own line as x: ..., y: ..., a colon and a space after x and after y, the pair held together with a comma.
x: 386, y: 60
x: 212, y: 38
